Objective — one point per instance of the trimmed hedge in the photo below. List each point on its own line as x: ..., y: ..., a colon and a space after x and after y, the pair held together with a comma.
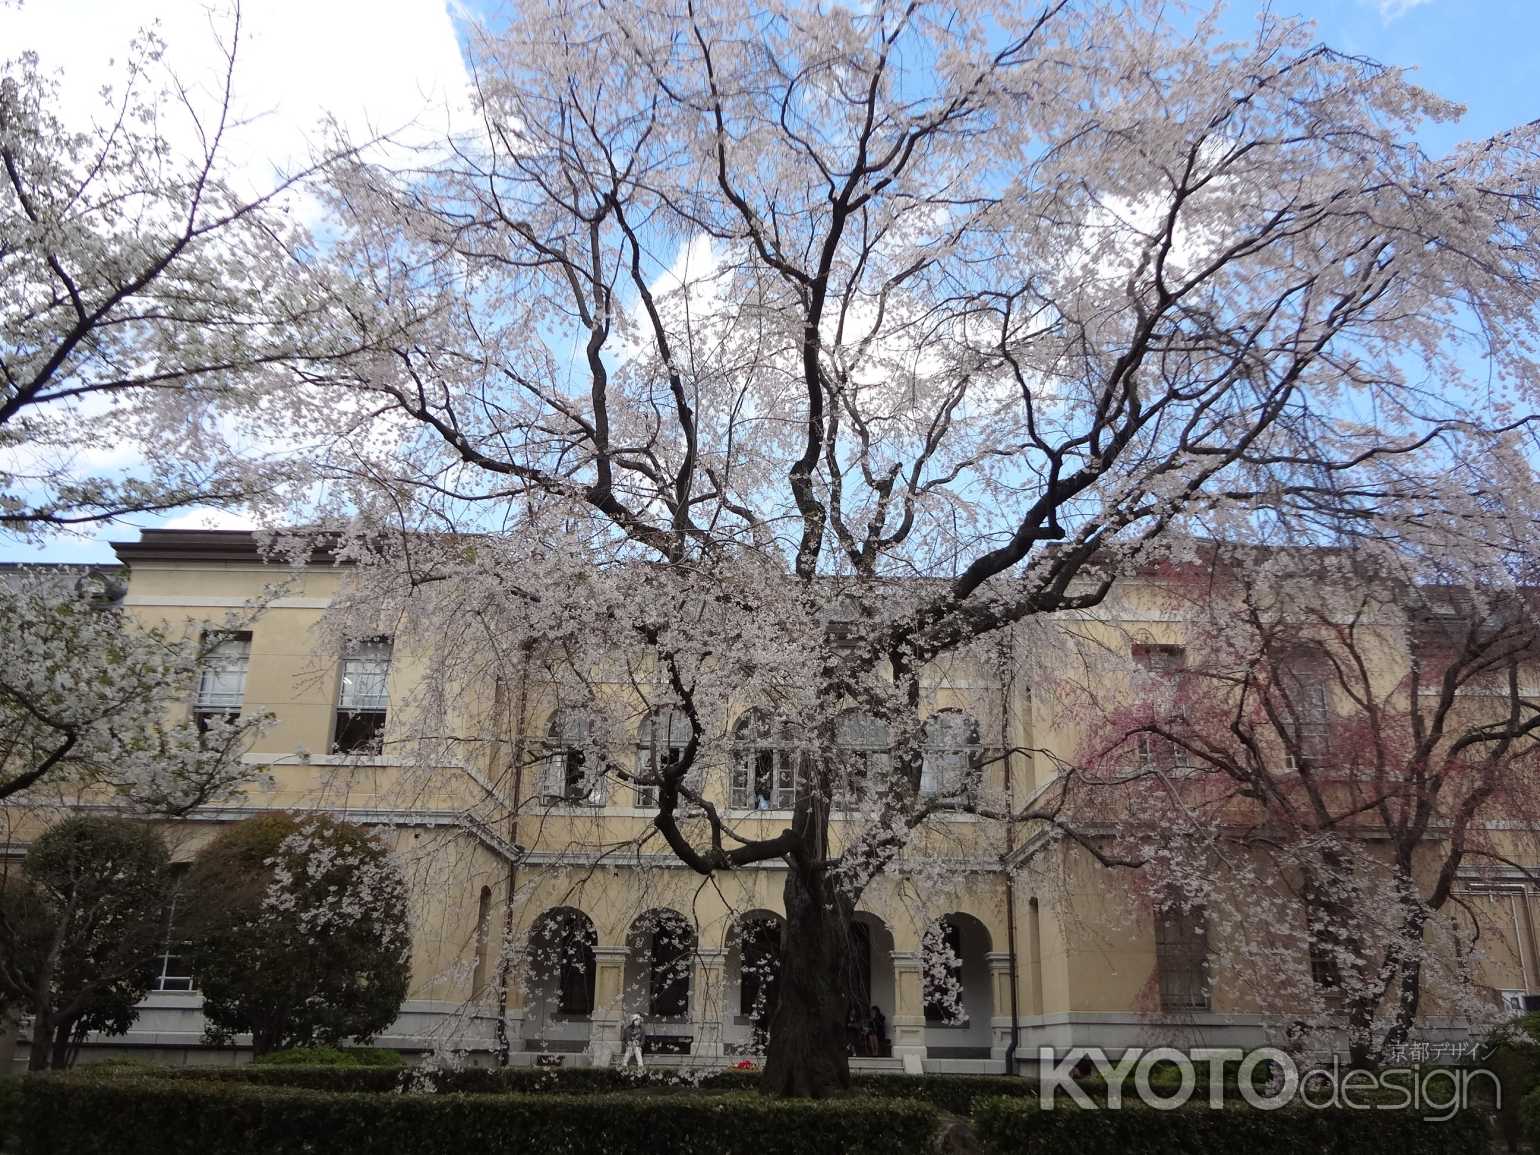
x: 330, y: 1057
x: 133, y: 1115
x: 953, y: 1093
x: 10, y: 1109
x: 1528, y: 1119
x: 1007, y: 1127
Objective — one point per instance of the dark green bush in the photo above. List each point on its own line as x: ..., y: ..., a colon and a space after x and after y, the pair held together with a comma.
x: 1512, y: 1053
x: 953, y: 1093
x: 331, y: 1057
x: 1527, y: 1113
x: 1006, y: 1126
x: 130, y: 1115
x: 10, y: 1110
x: 956, y: 1094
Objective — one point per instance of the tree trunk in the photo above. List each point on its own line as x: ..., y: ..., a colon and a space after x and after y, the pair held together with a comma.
x: 60, y: 1059
x: 807, y: 1056
x: 42, y: 1039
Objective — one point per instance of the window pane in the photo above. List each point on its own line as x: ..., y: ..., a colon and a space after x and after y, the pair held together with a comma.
x: 222, y: 678
x: 365, y: 668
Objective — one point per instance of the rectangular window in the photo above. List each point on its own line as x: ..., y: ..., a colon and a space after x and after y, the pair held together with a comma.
x: 1157, y: 752
x: 1324, y: 971
x: 173, y: 968
x: 1181, y: 958
x: 222, y: 676
x: 1160, y: 659
x: 1311, y: 725
x: 362, y: 701
x: 764, y: 778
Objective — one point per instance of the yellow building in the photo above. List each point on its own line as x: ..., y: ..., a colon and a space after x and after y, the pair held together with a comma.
x: 507, y: 840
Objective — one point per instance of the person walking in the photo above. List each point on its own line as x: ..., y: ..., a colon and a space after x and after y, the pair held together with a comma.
x: 631, y: 1036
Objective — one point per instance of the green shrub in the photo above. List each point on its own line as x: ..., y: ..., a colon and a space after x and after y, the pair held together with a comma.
x: 1527, y: 1114
x: 159, y: 1116
x: 10, y: 1110
x: 331, y: 1057
x: 1006, y: 1126
x: 1512, y: 1053
x: 955, y: 1094
x: 952, y: 1093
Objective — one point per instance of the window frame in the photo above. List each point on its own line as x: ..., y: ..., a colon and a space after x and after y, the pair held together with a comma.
x: 757, y: 736
x: 1182, y: 959
x: 957, y: 763
x: 570, y: 735
x: 359, y: 719
x: 225, y: 704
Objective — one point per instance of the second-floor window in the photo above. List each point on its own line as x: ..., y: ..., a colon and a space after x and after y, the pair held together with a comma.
x: 222, y: 677
x: 664, y: 734
x: 1306, y: 715
x: 362, y: 701
x: 865, y: 757
x: 1158, y: 752
x: 766, y: 764
x: 951, y: 755
x: 572, y: 767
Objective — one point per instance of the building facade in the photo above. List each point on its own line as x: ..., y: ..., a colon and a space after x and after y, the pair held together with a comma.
x: 543, y: 914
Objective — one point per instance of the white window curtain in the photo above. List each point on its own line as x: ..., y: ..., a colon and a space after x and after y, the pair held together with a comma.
x: 365, y: 671
x: 949, y: 760
x: 222, y: 677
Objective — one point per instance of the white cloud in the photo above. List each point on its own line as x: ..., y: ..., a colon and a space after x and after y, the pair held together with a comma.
x: 1391, y: 10
x: 202, y: 517
x: 375, y: 65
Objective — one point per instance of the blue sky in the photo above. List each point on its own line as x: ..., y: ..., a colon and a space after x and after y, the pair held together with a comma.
x: 1483, y: 53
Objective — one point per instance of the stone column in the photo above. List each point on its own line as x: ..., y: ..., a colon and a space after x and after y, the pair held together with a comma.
x: 609, y: 986
x: 708, y: 1003
x: 1000, y: 996
x: 908, y: 1011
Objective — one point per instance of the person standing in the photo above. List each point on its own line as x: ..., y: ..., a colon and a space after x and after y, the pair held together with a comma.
x: 877, y: 1032
x: 631, y: 1036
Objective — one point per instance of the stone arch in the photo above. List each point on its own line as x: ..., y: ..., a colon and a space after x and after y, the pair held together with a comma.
x: 752, y: 967
x: 872, y: 979
x: 560, y: 972
x: 958, y: 987
x: 660, y: 957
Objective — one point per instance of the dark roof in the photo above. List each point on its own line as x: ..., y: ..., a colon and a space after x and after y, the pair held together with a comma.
x: 210, y: 545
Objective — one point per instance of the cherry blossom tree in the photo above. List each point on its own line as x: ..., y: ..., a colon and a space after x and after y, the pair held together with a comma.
x: 94, y: 706
x: 779, y: 353
x: 1330, y: 746
x: 151, y: 302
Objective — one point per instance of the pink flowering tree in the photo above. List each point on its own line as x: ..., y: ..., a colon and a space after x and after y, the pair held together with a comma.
x: 1326, y: 755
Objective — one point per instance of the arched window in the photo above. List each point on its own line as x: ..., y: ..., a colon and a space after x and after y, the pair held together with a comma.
x: 941, y: 973
x: 660, y: 742
x: 760, y: 967
x: 483, y: 941
x: 950, y: 762
x: 572, y: 770
x: 766, y: 764
x: 864, y: 754
x: 670, y: 946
